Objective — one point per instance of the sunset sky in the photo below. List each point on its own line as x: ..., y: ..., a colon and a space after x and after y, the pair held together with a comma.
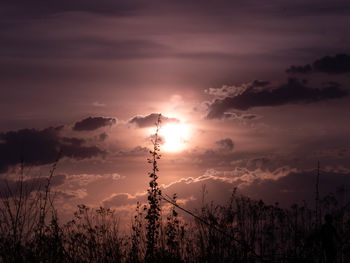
x: 252, y: 94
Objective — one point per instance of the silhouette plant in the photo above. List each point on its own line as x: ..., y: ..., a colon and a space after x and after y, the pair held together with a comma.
x: 154, y: 198
x: 174, y: 234
x: 137, y: 237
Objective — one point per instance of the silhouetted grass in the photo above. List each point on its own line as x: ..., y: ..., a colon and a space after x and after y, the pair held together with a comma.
x: 243, y: 230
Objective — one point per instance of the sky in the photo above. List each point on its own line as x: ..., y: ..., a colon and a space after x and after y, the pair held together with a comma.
x: 252, y: 95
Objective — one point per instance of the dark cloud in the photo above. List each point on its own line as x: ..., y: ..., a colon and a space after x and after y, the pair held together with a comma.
x: 339, y: 64
x: 265, y: 163
x: 25, y: 9
x: 226, y: 144
x: 139, y: 150
x: 260, y: 83
x: 136, y: 151
x: 93, y: 123
x: 240, y: 116
x: 73, y: 141
x: 38, y: 147
x: 80, y: 152
x: 333, y: 65
x: 71, y: 47
x: 10, y: 187
x: 150, y: 120
x: 29, y: 43
x: 299, y: 69
x: 123, y: 7
x: 297, y: 186
x: 120, y: 199
x: 334, y: 153
x: 294, y: 91
x: 103, y: 136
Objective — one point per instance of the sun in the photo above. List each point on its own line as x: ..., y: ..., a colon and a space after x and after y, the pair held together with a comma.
x: 175, y: 136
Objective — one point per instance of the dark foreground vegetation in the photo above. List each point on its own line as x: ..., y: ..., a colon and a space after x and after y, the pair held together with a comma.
x: 243, y: 230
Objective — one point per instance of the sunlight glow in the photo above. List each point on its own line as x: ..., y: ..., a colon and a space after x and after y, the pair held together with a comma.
x: 175, y: 136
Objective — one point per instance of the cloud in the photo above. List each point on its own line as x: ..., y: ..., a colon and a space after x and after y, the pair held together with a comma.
x: 333, y: 65
x: 95, y: 48
x: 337, y: 153
x: 241, y: 116
x: 284, y: 185
x: 29, y: 185
x: 69, y: 194
x: 239, y: 176
x: 80, y: 186
x: 136, y: 151
x: 139, y: 150
x: 225, y: 144
x: 297, y: 186
x: 216, y: 186
x: 36, y: 9
x: 339, y: 64
x: 262, y: 163
x: 299, y: 69
x: 103, y: 136
x: 39, y: 147
x: 150, y: 120
x: 93, y: 123
x: 294, y: 91
x: 207, y: 7
x: 120, y: 199
x: 233, y: 91
x: 98, y: 104
x: 78, y: 181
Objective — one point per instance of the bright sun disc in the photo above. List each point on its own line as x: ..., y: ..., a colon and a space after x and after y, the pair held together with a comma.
x: 175, y: 136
